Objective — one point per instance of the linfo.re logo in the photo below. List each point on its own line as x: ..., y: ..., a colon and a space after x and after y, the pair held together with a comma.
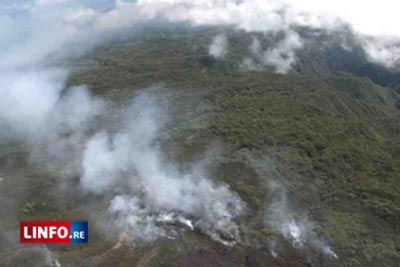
x: 53, y: 232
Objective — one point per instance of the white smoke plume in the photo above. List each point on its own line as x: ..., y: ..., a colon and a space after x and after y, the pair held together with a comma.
x: 38, y: 35
x: 219, y: 46
x: 256, y: 47
x: 295, y: 227
x: 55, y: 121
x: 155, y: 192
x: 253, y: 63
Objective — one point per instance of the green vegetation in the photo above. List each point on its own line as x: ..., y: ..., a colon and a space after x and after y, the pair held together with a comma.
x: 338, y: 135
x: 333, y: 142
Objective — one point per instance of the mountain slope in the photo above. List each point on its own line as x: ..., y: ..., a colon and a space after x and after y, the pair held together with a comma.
x: 331, y: 141
x: 316, y: 148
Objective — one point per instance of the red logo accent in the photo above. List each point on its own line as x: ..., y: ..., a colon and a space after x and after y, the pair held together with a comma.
x: 50, y: 232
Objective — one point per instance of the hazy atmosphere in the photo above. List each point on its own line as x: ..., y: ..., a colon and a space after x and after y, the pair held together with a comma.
x: 202, y: 133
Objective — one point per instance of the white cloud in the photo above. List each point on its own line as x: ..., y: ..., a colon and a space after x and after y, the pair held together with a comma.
x: 372, y: 19
x: 282, y: 55
x: 385, y: 51
x: 49, y: 2
x: 367, y: 17
x: 75, y: 24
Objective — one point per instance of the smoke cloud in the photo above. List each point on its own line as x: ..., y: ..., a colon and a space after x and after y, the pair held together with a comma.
x: 155, y: 192
x: 295, y: 227
x: 219, y: 46
x: 150, y: 196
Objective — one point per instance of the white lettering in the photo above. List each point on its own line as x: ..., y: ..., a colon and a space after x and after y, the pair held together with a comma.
x: 26, y: 233
x: 80, y: 235
x: 52, y: 231
x: 41, y: 232
x: 62, y: 232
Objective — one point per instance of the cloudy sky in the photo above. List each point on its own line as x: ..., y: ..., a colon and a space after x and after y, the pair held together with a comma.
x: 374, y: 23
x: 369, y: 17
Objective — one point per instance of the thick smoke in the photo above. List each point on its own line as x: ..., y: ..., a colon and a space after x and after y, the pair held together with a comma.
x: 154, y: 192
x: 219, y: 46
x: 36, y: 106
x: 55, y: 122
x: 31, y: 104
